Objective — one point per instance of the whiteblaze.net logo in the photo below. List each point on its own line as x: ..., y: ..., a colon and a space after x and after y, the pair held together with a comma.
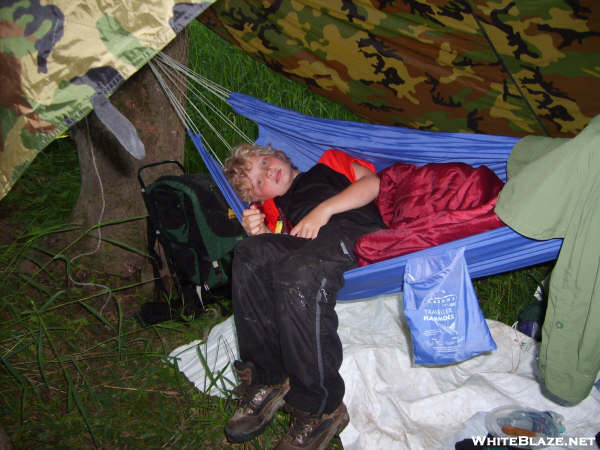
x: 533, y: 442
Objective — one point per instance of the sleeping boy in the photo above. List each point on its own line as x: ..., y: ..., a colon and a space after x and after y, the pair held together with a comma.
x: 284, y: 287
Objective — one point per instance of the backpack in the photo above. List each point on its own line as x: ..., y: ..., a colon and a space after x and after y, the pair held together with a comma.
x: 190, y: 224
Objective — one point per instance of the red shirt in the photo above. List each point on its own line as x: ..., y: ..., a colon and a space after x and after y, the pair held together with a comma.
x: 335, y: 159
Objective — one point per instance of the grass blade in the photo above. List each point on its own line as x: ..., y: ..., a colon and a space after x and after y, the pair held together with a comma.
x: 97, y: 314
x: 11, y: 370
x: 125, y: 246
x: 34, y: 283
x: 50, y: 301
x: 40, y: 354
x: 119, y: 326
x: 208, y: 372
x: 82, y: 410
x: 86, y: 383
x: 23, y: 381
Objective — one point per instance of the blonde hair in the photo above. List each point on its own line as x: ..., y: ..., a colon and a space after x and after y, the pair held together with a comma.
x: 238, y: 165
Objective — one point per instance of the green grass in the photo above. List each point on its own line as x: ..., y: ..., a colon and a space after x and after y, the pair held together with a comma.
x: 503, y: 296
x: 77, y: 369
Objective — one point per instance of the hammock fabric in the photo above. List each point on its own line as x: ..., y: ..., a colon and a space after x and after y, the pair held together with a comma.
x: 305, y: 138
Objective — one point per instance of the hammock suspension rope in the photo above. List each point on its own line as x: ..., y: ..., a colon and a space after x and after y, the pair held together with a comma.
x: 175, y: 77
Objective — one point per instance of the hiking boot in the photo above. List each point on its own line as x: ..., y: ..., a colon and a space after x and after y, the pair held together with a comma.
x: 308, y: 431
x: 258, y: 404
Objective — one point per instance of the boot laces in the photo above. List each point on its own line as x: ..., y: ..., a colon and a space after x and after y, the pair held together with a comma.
x: 252, y: 398
x: 303, y: 426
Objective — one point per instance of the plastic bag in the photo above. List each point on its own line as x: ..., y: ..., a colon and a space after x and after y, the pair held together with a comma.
x: 441, y: 307
x: 511, y: 421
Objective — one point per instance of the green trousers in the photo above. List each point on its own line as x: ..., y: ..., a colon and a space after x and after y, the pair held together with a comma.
x: 553, y: 191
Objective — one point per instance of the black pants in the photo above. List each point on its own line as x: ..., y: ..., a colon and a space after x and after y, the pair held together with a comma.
x: 284, y: 291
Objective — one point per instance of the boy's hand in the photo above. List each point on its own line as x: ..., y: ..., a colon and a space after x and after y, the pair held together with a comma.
x: 253, y: 221
x: 310, y: 224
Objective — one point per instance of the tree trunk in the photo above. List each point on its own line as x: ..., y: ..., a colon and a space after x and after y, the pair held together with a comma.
x: 118, y: 196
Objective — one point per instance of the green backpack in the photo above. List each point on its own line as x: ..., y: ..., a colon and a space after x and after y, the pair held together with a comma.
x: 195, y: 231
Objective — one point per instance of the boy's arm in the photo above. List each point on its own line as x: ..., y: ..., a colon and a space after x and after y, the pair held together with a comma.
x: 363, y: 191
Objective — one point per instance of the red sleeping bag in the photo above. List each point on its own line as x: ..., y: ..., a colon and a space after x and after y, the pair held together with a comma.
x: 430, y: 205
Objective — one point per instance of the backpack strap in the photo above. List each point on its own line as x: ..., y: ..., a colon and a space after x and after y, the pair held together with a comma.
x: 154, y: 257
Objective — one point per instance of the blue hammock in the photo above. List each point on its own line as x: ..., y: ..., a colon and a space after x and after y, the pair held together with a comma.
x: 304, y: 139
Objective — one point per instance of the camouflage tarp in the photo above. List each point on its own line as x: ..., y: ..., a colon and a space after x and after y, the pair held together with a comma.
x: 56, y: 54
x: 490, y: 66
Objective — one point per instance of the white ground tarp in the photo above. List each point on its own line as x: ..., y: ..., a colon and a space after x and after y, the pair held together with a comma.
x: 395, y: 405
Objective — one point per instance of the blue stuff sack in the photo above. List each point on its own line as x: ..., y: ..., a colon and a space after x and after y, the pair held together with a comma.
x: 441, y: 307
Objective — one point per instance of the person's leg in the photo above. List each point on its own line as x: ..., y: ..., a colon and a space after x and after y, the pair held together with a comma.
x: 307, y: 282
x: 255, y: 261
x: 263, y: 379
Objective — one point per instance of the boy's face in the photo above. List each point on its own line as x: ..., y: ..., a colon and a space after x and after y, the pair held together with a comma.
x: 270, y: 176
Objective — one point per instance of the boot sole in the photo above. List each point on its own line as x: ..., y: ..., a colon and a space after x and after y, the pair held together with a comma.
x: 235, y: 438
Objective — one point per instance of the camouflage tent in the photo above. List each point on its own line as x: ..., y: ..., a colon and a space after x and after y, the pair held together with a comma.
x: 489, y: 66
x: 57, y: 55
